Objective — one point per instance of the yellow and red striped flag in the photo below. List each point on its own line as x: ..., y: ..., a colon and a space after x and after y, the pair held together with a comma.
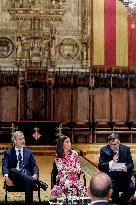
x: 114, y: 34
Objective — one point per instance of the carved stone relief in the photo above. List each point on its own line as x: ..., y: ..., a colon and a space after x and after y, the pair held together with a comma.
x: 68, y: 48
x: 6, y: 47
x: 33, y: 40
x: 32, y: 50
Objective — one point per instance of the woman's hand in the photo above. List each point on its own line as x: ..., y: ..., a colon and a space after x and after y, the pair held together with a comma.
x: 74, y: 170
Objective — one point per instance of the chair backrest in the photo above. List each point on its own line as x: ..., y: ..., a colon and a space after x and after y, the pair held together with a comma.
x: 54, y: 173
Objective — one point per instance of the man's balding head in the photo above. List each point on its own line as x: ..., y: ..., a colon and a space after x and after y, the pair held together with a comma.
x: 100, y: 186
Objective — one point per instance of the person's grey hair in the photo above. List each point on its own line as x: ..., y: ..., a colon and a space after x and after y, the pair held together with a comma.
x: 14, y: 135
x: 113, y: 136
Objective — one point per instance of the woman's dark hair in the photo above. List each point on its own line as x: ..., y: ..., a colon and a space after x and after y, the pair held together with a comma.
x: 59, y: 148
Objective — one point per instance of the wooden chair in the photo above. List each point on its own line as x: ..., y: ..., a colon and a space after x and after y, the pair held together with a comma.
x: 19, y: 189
x: 133, y: 132
x: 54, y: 173
x: 82, y: 130
x: 101, y: 131
x: 121, y: 128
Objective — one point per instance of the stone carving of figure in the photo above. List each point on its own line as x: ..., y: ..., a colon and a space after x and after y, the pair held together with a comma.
x: 26, y: 51
x: 18, y: 48
x: 57, y: 3
x: 84, y: 52
x: 35, y: 48
x: 12, y: 3
x: 44, y: 50
x: 53, y: 50
x: 16, y: 3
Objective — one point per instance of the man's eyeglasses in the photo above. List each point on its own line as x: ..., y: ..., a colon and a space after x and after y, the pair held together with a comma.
x: 114, y: 144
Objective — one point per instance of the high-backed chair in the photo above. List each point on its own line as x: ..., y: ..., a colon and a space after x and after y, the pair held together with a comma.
x: 121, y: 128
x: 133, y: 132
x: 83, y: 130
x: 101, y: 130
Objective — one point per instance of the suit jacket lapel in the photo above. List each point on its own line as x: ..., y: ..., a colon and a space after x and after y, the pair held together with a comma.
x: 24, y: 155
x: 120, y: 155
x: 14, y: 156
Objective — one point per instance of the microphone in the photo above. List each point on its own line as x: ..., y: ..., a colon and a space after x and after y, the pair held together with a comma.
x: 116, y: 155
x: 116, y: 152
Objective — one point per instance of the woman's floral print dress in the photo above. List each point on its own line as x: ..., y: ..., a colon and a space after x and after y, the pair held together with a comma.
x: 67, y: 181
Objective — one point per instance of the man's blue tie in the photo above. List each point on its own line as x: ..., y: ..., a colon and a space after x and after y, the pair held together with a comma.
x: 20, y: 160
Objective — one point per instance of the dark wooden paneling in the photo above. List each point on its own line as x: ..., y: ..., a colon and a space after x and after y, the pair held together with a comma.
x: 36, y: 103
x: 101, y: 104
x: 119, y: 104
x: 8, y: 103
x: 0, y: 103
x: 62, y: 104
x: 81, y: 104
x: 133, y: 105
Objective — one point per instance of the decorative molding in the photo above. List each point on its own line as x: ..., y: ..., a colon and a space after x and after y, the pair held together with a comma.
x: 84, y: 17
x: 7, y: 32
x: 47, y: 15
x: 68, y: 33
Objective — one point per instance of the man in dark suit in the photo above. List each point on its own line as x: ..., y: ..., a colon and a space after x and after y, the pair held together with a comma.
x: 100, y: 189
x: 19, y: 167
x: 114, y: 153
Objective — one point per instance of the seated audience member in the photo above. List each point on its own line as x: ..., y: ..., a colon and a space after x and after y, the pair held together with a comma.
x: 113, y: 153
x: 19, y: 167
x: 100, y: 189
x: 68, y: 165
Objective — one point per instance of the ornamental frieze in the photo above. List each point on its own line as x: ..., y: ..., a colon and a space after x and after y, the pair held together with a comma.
x: 7, y: 32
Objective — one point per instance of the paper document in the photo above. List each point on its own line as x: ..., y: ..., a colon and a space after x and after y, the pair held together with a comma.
x: 117, y: 166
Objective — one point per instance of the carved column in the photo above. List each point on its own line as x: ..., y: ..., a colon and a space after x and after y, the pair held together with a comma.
x: 84, y: 30
x: 50, y: 92
x: 21, y: 96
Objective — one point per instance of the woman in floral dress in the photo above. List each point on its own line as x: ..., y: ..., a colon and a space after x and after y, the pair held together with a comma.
x: 68, y: 165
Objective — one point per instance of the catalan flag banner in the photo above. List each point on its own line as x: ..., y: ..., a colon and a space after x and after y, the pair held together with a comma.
x: 114, y: 34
